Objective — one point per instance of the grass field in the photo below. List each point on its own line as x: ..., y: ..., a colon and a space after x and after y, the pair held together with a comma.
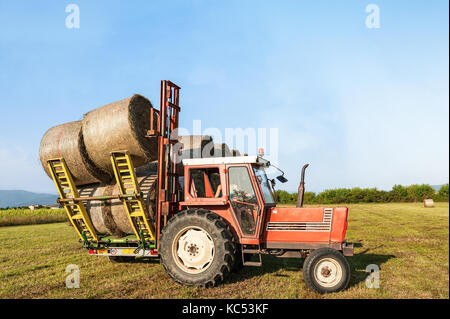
x: 409, y: 243
x: 19, y: 216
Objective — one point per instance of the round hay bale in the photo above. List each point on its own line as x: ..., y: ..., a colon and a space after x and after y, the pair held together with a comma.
x: 147, y: 185
x: 194, y: 141
x: 221, y: 150
x: 193, y: 146
x: 428, y: 203
x: 109, y: 217
x: 117, y: 126
x: 149, y: 168
x: 67, y: 141
x: 100, y: 217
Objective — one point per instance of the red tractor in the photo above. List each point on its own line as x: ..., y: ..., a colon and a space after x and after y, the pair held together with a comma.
x: 229, y: 218
x: 223, y: 217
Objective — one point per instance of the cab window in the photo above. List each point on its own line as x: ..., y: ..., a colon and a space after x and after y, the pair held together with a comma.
x: 243, y: 199
x: 205, y: 183
x: 264, y: 182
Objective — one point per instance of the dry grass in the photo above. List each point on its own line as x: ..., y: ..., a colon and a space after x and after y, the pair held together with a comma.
x: 18, y: 216
x: 408, y: 242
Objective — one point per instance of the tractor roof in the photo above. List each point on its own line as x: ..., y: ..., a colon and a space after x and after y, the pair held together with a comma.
x: 226, y: 160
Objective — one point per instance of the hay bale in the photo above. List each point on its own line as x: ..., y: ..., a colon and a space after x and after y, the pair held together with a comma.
x: 115, y: 207
x: 149, y: 168
x: 428, y: 203
x: 221, y: 150
x: 194, y: 146
x: 109, y: 217
x: 117, y: 126
x: 190, y: 146
x: 67, y: 141
x: 101, y: 219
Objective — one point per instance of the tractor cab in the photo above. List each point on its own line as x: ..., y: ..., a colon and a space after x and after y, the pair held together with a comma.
x: 236, y: 188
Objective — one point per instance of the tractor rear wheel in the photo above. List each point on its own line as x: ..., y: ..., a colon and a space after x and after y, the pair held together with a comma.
x: 196, y: 248
x: 326, y: 270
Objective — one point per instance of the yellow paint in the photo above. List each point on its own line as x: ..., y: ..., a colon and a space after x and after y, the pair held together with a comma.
x: 133, y: 206
x: 66, y: 189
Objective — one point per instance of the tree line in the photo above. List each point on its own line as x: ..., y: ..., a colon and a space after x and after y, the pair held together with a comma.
x: 399, y: 193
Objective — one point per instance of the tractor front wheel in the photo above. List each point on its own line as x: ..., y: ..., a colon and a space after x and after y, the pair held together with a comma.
x: 196, y: 248
x: 326, y: 270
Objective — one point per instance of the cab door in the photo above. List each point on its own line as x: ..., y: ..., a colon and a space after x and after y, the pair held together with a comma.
x: 244, y: 202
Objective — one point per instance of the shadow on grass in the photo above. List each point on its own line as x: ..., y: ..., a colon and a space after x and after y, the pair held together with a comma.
x: 272, y: 264
x: 146, y: 260
x: 359, y: 262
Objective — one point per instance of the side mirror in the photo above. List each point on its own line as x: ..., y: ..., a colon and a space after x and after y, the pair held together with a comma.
x: 282, y: 179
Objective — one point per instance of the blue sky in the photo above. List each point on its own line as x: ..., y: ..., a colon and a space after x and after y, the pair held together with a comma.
x: 365, y: 107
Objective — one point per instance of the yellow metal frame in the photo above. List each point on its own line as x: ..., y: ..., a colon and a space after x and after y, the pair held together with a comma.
x: 128, y: 185
x: 75, y: 210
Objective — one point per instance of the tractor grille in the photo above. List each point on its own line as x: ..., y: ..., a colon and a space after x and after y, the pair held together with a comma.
x: 324, y: 225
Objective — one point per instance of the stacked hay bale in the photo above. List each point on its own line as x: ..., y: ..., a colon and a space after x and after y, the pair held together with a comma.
x: 67, y: 141
x: 102, y: 222
x: 193, y: 146
x: 86, y: 145
x: 148, y: 168
x: 236, y: 153
x: 147, y: 184
x: 110, y: 217
x: 221, y: 150
x: 121, y: 125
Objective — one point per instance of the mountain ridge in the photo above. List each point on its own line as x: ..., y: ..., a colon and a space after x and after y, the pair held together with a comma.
x: 17, y: 198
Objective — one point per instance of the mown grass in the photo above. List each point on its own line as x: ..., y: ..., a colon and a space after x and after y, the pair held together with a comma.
x: 409, y: 243
x: 19, y: 216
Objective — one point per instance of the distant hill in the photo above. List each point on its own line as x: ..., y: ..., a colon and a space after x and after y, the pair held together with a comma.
x: 14, y: 198
x: 437, y: 187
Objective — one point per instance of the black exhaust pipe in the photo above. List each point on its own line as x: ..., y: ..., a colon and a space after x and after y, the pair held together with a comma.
x: 301, y: 187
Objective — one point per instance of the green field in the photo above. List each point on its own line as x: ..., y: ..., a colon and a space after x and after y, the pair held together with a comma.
x: 409, y: 243
x: 20, y: 216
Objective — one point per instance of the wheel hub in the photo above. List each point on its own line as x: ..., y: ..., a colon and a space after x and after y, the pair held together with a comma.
x: 328, y: 272
x: 195, y: 250
x: 192, y: 250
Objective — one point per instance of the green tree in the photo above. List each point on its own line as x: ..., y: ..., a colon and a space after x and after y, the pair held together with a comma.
x: 399, y: 193
x: 308, y: 198
x: 283, y: 197
x: 442, y: 194
x: 420, y: 192
x: 443, y: 191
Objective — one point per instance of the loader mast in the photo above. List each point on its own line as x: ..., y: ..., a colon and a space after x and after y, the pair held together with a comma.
x: 167, y: 133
